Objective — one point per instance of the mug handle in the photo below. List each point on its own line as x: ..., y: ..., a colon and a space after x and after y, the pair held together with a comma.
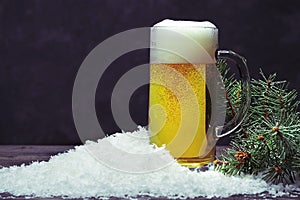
x: 240, y: 62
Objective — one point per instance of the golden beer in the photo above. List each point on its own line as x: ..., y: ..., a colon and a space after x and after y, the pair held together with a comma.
x: 192, y: 153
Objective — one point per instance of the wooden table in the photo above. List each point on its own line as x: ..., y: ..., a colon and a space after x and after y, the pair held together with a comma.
x: 19, y: 154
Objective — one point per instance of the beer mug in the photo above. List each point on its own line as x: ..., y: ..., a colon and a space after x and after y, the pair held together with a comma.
x: 187, y: 100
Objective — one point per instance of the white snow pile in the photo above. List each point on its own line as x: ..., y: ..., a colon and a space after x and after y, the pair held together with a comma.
x: 123, y: 165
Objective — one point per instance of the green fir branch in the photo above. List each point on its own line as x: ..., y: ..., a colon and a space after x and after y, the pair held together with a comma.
x: 268, y: 140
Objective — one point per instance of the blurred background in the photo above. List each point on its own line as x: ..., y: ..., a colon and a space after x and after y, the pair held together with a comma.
x: 43, y: 43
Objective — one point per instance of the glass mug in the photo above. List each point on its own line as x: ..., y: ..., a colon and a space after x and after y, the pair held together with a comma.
x: 187, y: 99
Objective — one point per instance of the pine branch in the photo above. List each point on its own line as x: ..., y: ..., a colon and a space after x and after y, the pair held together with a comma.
x: 269, y: 137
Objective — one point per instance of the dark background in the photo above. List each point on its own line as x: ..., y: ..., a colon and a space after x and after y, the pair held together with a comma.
x: 43, y: 43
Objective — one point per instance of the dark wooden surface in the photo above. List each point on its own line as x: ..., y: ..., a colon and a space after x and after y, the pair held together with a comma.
x: 19, y: 154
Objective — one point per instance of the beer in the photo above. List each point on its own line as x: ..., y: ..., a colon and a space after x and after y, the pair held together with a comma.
x: 179, y: 102
x: 188, y: 146
x: 187, y: 96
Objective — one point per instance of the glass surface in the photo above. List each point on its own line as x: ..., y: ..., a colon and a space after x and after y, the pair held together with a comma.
x: 187, y: 101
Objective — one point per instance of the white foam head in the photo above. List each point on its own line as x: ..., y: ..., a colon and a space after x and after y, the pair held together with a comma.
x: 173, y: 23
x: 190, y: 42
